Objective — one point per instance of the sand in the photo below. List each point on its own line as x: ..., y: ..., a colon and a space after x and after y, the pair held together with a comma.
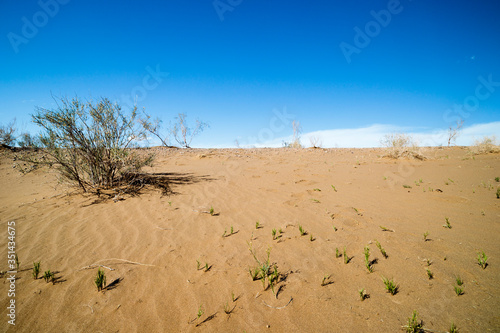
x: 150, y: 244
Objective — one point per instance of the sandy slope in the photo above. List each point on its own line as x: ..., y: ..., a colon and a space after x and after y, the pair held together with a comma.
x: 66, y: 231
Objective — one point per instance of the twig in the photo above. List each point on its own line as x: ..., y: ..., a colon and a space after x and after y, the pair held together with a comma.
x: 282, y: 307
x: 424, y: 329
x: 94, y: 266
x: 164, y: 228
x: 91, y: 309
x: 126, y: 261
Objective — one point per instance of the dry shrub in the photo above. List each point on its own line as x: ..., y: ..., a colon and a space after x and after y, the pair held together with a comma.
x: 296, y: 137
x: 90, y: 144
x: 401, y: 145
x: 7, y: 134
x: 486, y: 145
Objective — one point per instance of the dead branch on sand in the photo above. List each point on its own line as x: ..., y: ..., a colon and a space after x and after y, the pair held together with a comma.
x: 94, y: 265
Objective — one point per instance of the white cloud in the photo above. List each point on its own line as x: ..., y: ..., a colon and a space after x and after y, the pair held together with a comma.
x: 370, y: 136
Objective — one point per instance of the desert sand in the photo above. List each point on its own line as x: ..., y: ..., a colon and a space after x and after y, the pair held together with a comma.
x: 149, y: 244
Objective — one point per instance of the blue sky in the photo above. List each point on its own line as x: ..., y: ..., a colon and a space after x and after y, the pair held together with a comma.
x: 237, y: 64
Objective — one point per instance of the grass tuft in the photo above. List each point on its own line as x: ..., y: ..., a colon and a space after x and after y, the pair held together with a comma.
x: 48, y: 276
x: 430, y: 274
x: 346, y: 257
x: 36, y: 270
x: 362, y: 294
x: 100, y: 280
x: 302, y: 231
x: 447, y: 223
x: 390, y: 286
x: 458, y: 290
x: 414, y: 325
x: 382, y: 250
x: 453, y: 328
x: 326, y: 281
x: 481, y: 259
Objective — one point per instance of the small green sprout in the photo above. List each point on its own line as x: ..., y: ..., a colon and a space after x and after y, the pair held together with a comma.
x: 430, y: 275
x: 362, y: 294
x: 390, y: 286
x: 257, y: 225
x: 227, y: 309
x: 326, y: 280
x: 459, y: 281
x: 346, y: 257
x: 453, y: 328
x: 337, y: 253
x: 386, y: 229
x: 425, y: 236
x: 414, y: 325
x: 36, y: 269
x: 382, y: 250
x: 458, y: 290
x: 334, y: 228
x: 447, y: 223
x: 200, y: 312
x: 317, y: 190
x: 48, y: 275
x: 212, y: 211
x: 100, y: 280
x: 254, y: 273
x: 302, y: 231
x: 481, y: 259
x: 334, y: 188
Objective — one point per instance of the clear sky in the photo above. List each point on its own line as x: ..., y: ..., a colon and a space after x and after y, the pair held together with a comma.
x: 348, y: 71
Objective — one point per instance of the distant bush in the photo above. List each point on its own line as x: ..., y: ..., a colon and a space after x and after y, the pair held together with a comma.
x: 7, y: 134
x: 315, y: 142
x: 401, y: 145
x: 181, y: 131
x: 487, y: 144
x: 296, y: 137
x: 28, y: 141
x: 89, y: 143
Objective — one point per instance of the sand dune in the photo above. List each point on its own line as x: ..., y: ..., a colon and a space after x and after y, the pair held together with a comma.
x: 150, y: 244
